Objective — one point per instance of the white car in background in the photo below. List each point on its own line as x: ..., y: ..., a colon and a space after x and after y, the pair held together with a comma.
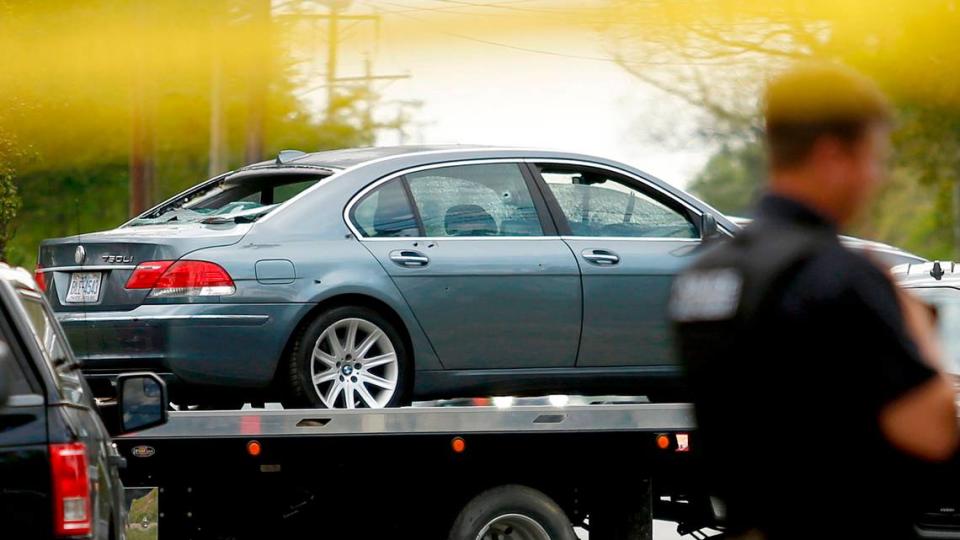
x: 889, y: 255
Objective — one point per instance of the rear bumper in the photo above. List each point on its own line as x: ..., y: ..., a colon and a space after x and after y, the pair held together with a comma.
x: 210, y: 345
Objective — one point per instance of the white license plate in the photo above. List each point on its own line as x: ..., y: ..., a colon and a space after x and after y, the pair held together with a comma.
x: 84, y: 287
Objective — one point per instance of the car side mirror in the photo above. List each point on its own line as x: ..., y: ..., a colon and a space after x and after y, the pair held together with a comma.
x: 142, y: 400
x: 709, y: 230
x: 6, y: 373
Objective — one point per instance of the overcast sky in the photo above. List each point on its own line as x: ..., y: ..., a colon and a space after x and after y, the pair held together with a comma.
x: 480, y: 80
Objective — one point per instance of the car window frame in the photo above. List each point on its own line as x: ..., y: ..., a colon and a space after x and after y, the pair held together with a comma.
x: 692, y: 214
x: 544, y: 216
x: 30, y: 345
x: 351, y: 216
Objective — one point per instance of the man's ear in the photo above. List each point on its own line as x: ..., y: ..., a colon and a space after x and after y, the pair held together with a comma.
x: 829, y: 158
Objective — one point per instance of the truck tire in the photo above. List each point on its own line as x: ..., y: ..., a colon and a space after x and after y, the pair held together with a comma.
x: 512, y: 512
x: 336, y: 350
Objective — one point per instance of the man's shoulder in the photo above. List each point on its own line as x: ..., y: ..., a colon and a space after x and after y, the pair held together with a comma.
x: 767, y: 249
x: 834, y: 271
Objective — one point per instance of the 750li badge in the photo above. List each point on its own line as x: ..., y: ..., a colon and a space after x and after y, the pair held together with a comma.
x: 117, y: 258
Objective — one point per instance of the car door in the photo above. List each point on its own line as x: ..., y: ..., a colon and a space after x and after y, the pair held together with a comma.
x: 474, y: 253
x: 630, y: 240
x: 25, y: 502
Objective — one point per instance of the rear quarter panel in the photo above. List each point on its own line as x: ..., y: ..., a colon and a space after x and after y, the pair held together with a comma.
x: 324, y: 269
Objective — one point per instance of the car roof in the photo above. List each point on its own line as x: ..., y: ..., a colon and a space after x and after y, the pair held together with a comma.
x: 18, y: 276
x: 349, y: 157
x: 385, y: 159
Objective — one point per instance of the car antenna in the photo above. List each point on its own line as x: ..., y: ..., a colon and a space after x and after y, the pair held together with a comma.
x: 286, y: 156
x: 937, y: 271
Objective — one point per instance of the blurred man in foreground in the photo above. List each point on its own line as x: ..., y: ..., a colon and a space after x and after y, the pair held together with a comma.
x: 816, y: 381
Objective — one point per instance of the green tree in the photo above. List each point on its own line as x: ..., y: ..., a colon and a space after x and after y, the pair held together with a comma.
x: 732, y: 178
x: 179, y: 70
x: 10, y: 202
x: 717, y: 54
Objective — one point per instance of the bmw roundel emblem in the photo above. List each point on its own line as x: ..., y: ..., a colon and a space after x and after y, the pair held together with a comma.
x: 80, y: 255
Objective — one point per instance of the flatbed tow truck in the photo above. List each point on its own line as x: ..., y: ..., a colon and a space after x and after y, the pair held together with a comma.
x: 482, y: 472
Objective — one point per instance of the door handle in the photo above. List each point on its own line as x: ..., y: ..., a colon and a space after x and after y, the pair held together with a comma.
x: 600, y: 257
x: 409, y: 258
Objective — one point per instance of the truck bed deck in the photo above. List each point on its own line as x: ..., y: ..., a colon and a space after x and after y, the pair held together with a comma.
x: 670, y: 417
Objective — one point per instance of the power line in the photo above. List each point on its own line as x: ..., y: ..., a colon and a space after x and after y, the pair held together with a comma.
x: 543, y: 51
x: 511, y: 6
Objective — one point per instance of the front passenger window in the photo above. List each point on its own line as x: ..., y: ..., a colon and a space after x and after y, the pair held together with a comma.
x: 596, y: 204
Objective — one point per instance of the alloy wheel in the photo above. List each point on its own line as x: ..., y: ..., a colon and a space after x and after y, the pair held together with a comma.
x: 513, y: 527
x: 354, y: 364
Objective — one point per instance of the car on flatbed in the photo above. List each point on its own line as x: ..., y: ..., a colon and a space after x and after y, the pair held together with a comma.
x: 374, y: 277
x: 59, y: 469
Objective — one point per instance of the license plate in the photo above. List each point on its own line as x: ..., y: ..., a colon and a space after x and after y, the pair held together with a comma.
x: 84, y: 287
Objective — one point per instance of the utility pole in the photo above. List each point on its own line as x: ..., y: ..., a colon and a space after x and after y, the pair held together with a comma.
x: 257, y: 79
x: 333, y: 42
x: 141, y: 162
x: 333, y: 83
x: 217, y: 162
x: 334, y: 17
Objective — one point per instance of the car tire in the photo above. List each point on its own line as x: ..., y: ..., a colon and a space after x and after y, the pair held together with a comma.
x: 526, y: 511
x: 314, y: 357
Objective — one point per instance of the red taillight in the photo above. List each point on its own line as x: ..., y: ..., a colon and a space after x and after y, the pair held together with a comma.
x: 71, y: 489
x: 146, y: 274
x: 39, y: 278
x: 181, y: 278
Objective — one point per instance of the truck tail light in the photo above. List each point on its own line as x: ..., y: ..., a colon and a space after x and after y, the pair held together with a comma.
x: 40, y: 278
x: 181, y: 278
x: 71, y: 490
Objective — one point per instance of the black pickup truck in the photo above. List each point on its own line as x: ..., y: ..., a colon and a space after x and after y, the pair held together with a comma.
x: 59, y: 469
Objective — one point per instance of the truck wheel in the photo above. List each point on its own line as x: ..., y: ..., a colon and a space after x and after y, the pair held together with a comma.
x: 349, y: 357
x: 512, y: 513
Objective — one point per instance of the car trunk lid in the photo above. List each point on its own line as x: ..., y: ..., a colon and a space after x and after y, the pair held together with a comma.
x: 110, y: 257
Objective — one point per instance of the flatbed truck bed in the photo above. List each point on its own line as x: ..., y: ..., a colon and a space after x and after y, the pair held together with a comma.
x: 417, y: 472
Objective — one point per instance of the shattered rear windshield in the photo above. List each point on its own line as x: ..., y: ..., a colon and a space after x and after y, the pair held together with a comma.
x: 243, y: 199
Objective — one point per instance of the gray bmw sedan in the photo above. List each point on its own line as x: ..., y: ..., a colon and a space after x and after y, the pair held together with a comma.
x: 370, y: 277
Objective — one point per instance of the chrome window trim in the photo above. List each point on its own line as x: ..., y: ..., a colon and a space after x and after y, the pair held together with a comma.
x: 372, y: 186
x: 86, y: 268
x: 444, y: 239
x: 632, y: 238
x: 396, y: 174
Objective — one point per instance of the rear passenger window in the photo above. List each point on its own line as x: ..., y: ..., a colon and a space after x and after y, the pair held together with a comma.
x: 475, y: 200
x: 385, y: 212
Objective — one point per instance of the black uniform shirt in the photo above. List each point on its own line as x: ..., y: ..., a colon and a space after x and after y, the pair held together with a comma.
x: 793, y: 345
